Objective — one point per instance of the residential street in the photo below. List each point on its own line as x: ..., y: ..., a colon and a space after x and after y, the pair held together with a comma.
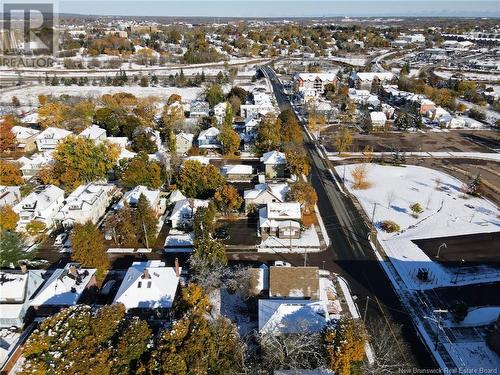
x: 350, y: 253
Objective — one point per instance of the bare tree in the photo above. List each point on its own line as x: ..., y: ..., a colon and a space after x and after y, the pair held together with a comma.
x: 292, y: 351
x: 391, y: 196
x: 391, y: 356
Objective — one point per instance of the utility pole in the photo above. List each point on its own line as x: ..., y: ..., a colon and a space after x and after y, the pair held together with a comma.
x: 438, y: 322
x: 458, y: 271
x: 373, y: 214
x: 366, y: 308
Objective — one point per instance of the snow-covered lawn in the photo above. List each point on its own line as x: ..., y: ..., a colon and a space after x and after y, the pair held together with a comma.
x: 29, y: 95
x: 308, y: 242
x: 447, y: 211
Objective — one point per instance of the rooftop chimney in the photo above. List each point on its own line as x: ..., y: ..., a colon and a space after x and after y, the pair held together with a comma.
x: 24, y: 268
x: 177, y: 270
x: 145, y: 274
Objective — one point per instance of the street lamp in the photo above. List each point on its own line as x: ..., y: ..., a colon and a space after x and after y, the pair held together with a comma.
x: 439, y: 248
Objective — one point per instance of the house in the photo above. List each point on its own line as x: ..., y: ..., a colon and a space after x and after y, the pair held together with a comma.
x: 65, y: 287
x: 176, y: 196
x: 25, y: 137
x: 31, y: 119
x: 16, y: 290
x: 94, y: 132
x: 50, y: 138
x: 378, y: 119
x: 179, y: 242
x: 9, y: 195
x: 274, y: 164
x: 183, y: 142
x: 131, y: 197
x: 237, y: 172
x: 148, y: 285
x: 280, y: 220
x: 199, y: 109
x: 365, y: 80
x: 87, y: 202
x: 291, y: 316
x: 200, y: 159
x: 294, y: 283
x: 252, y: 110
x: 30, y: 167
x: 265, y: 193
x: 209, y: 138
x: 42, y: 204
x: 426, y: 105
x: 313, y: 82
x: 184, y: 210
x: 220, y: 112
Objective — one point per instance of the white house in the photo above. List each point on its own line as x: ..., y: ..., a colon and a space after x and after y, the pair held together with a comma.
x: 364, y: 80
x: 50, y: 138
x: 31, y: 166
x: 274, y: 164
x: 64, y: 288
x: 87, y: 202
x: 94, y: 132
x: 262, y: 194
x: 378, y: 119
x: 25, y: 137
x: 131, y: 197
x: 148, y: 285
x: 280, y: 220
x: 9, y: 195
x: 42, y: 204
x: 16, y: 290
x: 292, y: 316
x: 209, y: 138
x: 183, y: 142
x: 313, y: 81
x: 199, y: 109
x: 184, y: 210
x: 220, y: 112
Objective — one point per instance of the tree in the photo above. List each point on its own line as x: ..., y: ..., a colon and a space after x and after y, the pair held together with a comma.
x: 214, y: 95
x: 298, y: 161
x: 359, y: 177
x: 87, y: 242
x: 290, y: 128
x: 475, y: 185
x: 8, y: 140
x: 239, y: 92
x: 13, y: 251
x: 196, y: 180
x: 344, y: 341
x: 140, y: 171
x: 143, y: 140
x: 304, y: 193
x: 81, y: 160
x: 268, y: 134
x: 229, y: 139
x: 120, y: 224
x: 204, y: 221
x: 343, y: 140
x: 80, y: 338
x: 174, y: 98
x: 52, y: 114
x: 227, y: 199
x: 35, y: 227
x: 207, y: 263
x: 145, y: 222
x: 10, y: 174
x: 8, y: 218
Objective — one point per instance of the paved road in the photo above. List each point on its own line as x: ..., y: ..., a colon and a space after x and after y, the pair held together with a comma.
x: 350, y: 254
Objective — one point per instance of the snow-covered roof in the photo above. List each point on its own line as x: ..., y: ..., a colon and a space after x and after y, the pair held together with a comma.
x: 187, y: 136
x: 279, y: 191
x: 40, y: 199
x: 240, y: 169
x: 210, y: 132
x: 22, y: 132
x: 291, y: 316
x: 177, y: 240
x: 370, y: 76
x: 148, y: 285
x: 31, y: 118
x: 65, y: 286
x: 175, y: 196
x: 286, y: 210
x: 83, y: 198
x: 201, y: 159
x: 93, y: 132
x: 184, y: 206
x: 53, y: 133
x: 378, y: 117
x: 36, y: 161
x: 120, y: 141
x: 132, y: 197
x: 273, y: 157
x: 325, y: 77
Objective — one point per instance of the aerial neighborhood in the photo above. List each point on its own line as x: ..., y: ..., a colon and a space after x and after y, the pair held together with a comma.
x: 194, y: 196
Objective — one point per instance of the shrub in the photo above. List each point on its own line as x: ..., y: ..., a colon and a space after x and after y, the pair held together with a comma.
x: 416, y: 209
x: 390, y: 226
x: 359, y: 177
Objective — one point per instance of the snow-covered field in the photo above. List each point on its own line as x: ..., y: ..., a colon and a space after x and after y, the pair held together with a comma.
x: 447, y: 212
x: 468, y: 75
x: 29, y: 95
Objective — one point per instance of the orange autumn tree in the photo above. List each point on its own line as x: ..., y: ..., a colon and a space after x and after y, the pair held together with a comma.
x: 10, y: 174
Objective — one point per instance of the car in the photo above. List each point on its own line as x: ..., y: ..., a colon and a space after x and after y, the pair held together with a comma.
x: 281, y: 263
x: 60, y: 239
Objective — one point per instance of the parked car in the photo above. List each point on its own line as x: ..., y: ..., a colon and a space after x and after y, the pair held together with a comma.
x: 60, y: 239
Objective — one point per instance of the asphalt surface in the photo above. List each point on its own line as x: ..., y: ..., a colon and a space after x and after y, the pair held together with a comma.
x: 350, y: 253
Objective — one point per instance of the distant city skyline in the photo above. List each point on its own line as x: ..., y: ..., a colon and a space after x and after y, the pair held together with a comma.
x: 284, y: 9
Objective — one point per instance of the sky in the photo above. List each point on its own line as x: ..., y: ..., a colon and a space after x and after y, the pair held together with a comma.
x: 282, y: 8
